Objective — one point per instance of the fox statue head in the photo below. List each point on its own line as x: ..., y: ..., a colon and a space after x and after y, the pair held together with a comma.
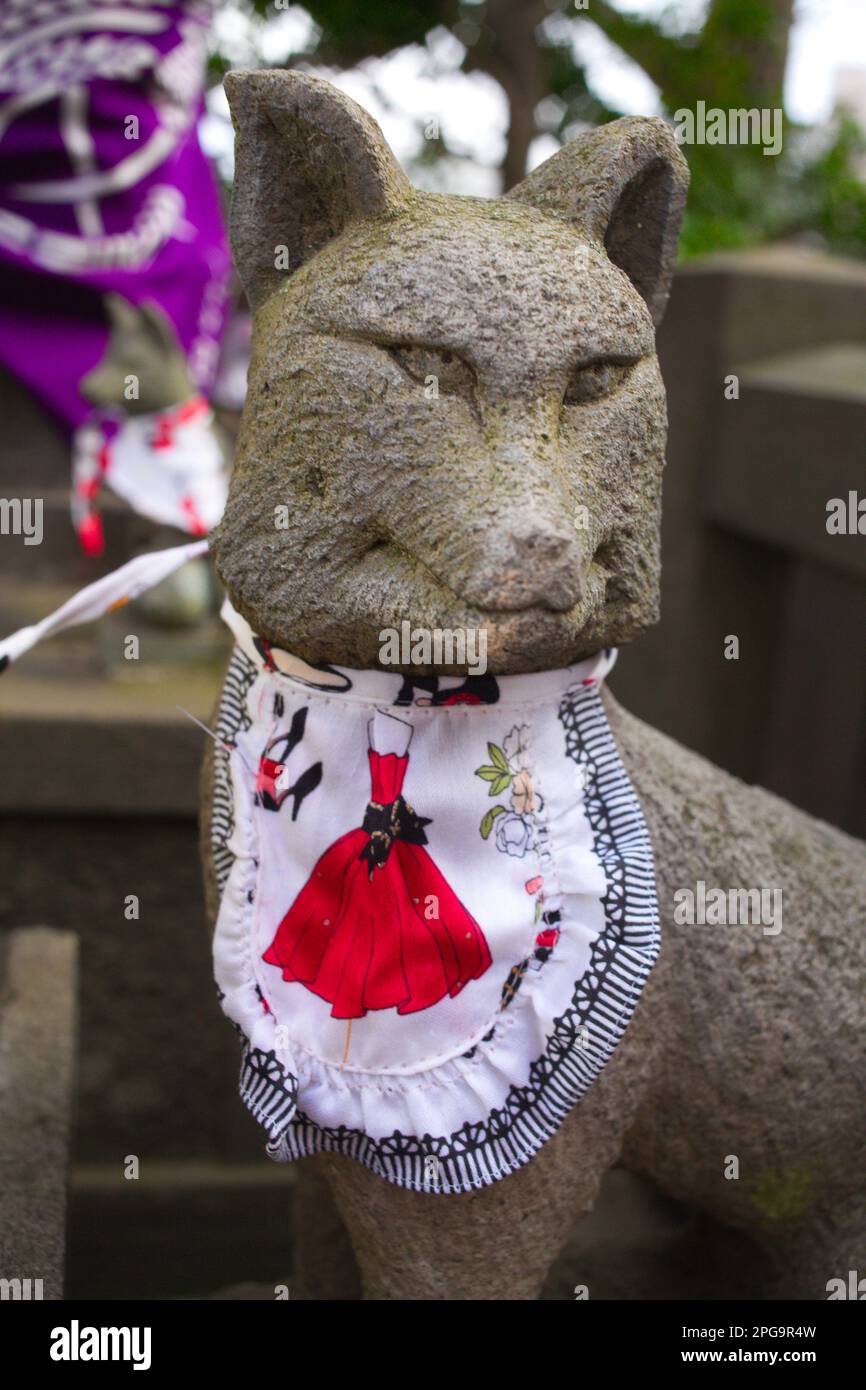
x: 455, y: 413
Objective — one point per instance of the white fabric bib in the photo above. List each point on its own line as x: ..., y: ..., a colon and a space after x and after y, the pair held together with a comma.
x: 437, y: 908
x: 438, y: 904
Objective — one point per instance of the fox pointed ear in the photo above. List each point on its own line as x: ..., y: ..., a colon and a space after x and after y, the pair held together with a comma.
x: 308, y: 162
x: 625, y: 184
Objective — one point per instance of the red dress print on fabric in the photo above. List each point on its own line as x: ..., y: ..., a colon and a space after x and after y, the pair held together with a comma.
x: 377, y: 926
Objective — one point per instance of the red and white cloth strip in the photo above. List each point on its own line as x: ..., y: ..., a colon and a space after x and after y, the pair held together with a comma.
x: 103, y: 596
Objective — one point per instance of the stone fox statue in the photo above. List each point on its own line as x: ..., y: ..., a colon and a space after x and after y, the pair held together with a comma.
x: 456, y: 417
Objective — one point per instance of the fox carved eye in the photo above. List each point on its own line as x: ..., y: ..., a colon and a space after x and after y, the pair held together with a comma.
x: 453, y: 376
x: 596, y: 380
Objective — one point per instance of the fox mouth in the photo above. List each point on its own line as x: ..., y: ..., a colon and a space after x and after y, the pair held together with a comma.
x: 595, y: 580
x: 344, y: 615
x: 529, y: 636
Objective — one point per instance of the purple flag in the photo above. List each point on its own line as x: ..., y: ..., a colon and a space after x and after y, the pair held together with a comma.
x: 113, y: 256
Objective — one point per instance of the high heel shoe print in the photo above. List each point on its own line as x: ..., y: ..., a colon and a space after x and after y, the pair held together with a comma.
x: 272, y: 777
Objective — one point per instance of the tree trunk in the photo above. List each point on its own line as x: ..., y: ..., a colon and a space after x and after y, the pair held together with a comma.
x: 512, y: 57
x: 755, y: 35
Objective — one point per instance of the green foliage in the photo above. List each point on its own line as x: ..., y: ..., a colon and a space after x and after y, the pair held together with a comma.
x: 738, y: 198
x: 352, y: 32
x: 564, y: 80
x: 833, y: 196
x: 735, y: 59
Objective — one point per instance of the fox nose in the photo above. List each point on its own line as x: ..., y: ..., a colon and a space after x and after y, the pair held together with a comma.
x: 528, y: 564
x: 523, y: 551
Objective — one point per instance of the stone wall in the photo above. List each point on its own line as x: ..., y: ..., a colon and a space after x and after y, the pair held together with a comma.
x: 744, y: 541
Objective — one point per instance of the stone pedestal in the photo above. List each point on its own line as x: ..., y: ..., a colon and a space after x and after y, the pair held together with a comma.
x: 38, y: 979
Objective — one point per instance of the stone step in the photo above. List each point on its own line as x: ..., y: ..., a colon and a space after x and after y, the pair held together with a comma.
x: 224, y: 1232
x: 178, y: 1230
x: 75, y: 712
x: 58, y: 555
x: 38, y: 985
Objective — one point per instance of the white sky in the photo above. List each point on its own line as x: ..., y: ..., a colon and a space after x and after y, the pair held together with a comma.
x: 417, y: 84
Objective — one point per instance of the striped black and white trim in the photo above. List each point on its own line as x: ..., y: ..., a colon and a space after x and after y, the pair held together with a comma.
x: 267, y: 1089
x: 583, y: 1039
x: 232, y: 718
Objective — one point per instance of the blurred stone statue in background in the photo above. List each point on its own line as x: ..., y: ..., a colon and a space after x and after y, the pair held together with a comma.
x: 114, y: 267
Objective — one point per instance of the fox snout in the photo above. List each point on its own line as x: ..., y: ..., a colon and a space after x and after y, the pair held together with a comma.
x: 523, y: 549
x: 528, y: 564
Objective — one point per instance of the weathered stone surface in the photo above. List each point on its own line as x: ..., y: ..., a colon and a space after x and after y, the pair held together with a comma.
x: 756, y: 1039
x: 525, y: 496
x: 157, y: 1068
x: 38, y: 978
x: 743, y: 1044
x: 623, y: 185
x: 309, y: 161
x: 462, y: 511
